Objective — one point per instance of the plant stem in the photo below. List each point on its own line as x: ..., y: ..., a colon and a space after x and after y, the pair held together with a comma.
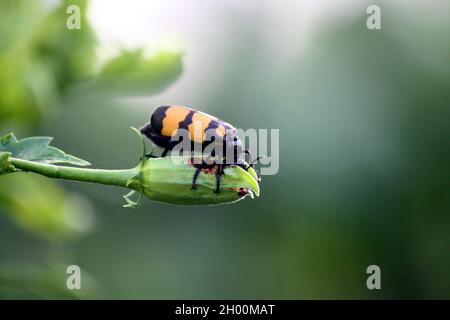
x: 110, y: 177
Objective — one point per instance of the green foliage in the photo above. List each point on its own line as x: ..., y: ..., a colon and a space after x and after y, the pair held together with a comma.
x: 40, y: 206
x: 68, y: 54
x: 37, y: 149
x: 64, y: 214
x: 41, y: 62
x: 132, y: 73
x: 41, y: 59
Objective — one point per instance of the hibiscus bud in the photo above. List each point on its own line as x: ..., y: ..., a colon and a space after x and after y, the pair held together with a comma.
x: 169, y: 180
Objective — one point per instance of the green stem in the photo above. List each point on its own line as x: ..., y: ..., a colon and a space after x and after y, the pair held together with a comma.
x: 110, y: 177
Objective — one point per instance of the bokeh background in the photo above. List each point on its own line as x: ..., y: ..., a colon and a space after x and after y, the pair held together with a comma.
x: 364, y: 128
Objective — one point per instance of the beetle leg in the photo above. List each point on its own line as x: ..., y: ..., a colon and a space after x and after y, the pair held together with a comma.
x: 194, y: 178
x: 164, y: 153
x: 218, y: 177
x: 219, y: 174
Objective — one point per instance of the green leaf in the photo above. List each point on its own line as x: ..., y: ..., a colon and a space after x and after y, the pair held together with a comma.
x: 37, y: 149
x: 131, y: 72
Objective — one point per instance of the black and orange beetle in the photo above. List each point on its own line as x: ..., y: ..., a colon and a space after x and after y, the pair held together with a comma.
x: 166, y: 120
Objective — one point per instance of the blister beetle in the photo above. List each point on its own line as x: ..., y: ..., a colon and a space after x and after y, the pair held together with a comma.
x: 167, y: 120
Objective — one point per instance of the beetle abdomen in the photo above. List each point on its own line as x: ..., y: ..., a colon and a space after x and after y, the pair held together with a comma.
x: 166, y: 120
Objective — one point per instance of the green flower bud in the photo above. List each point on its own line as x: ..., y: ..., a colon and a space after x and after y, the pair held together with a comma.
x: 166, y: 180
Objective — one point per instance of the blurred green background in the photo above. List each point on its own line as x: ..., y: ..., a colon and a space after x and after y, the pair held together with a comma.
x: 364, y: 163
